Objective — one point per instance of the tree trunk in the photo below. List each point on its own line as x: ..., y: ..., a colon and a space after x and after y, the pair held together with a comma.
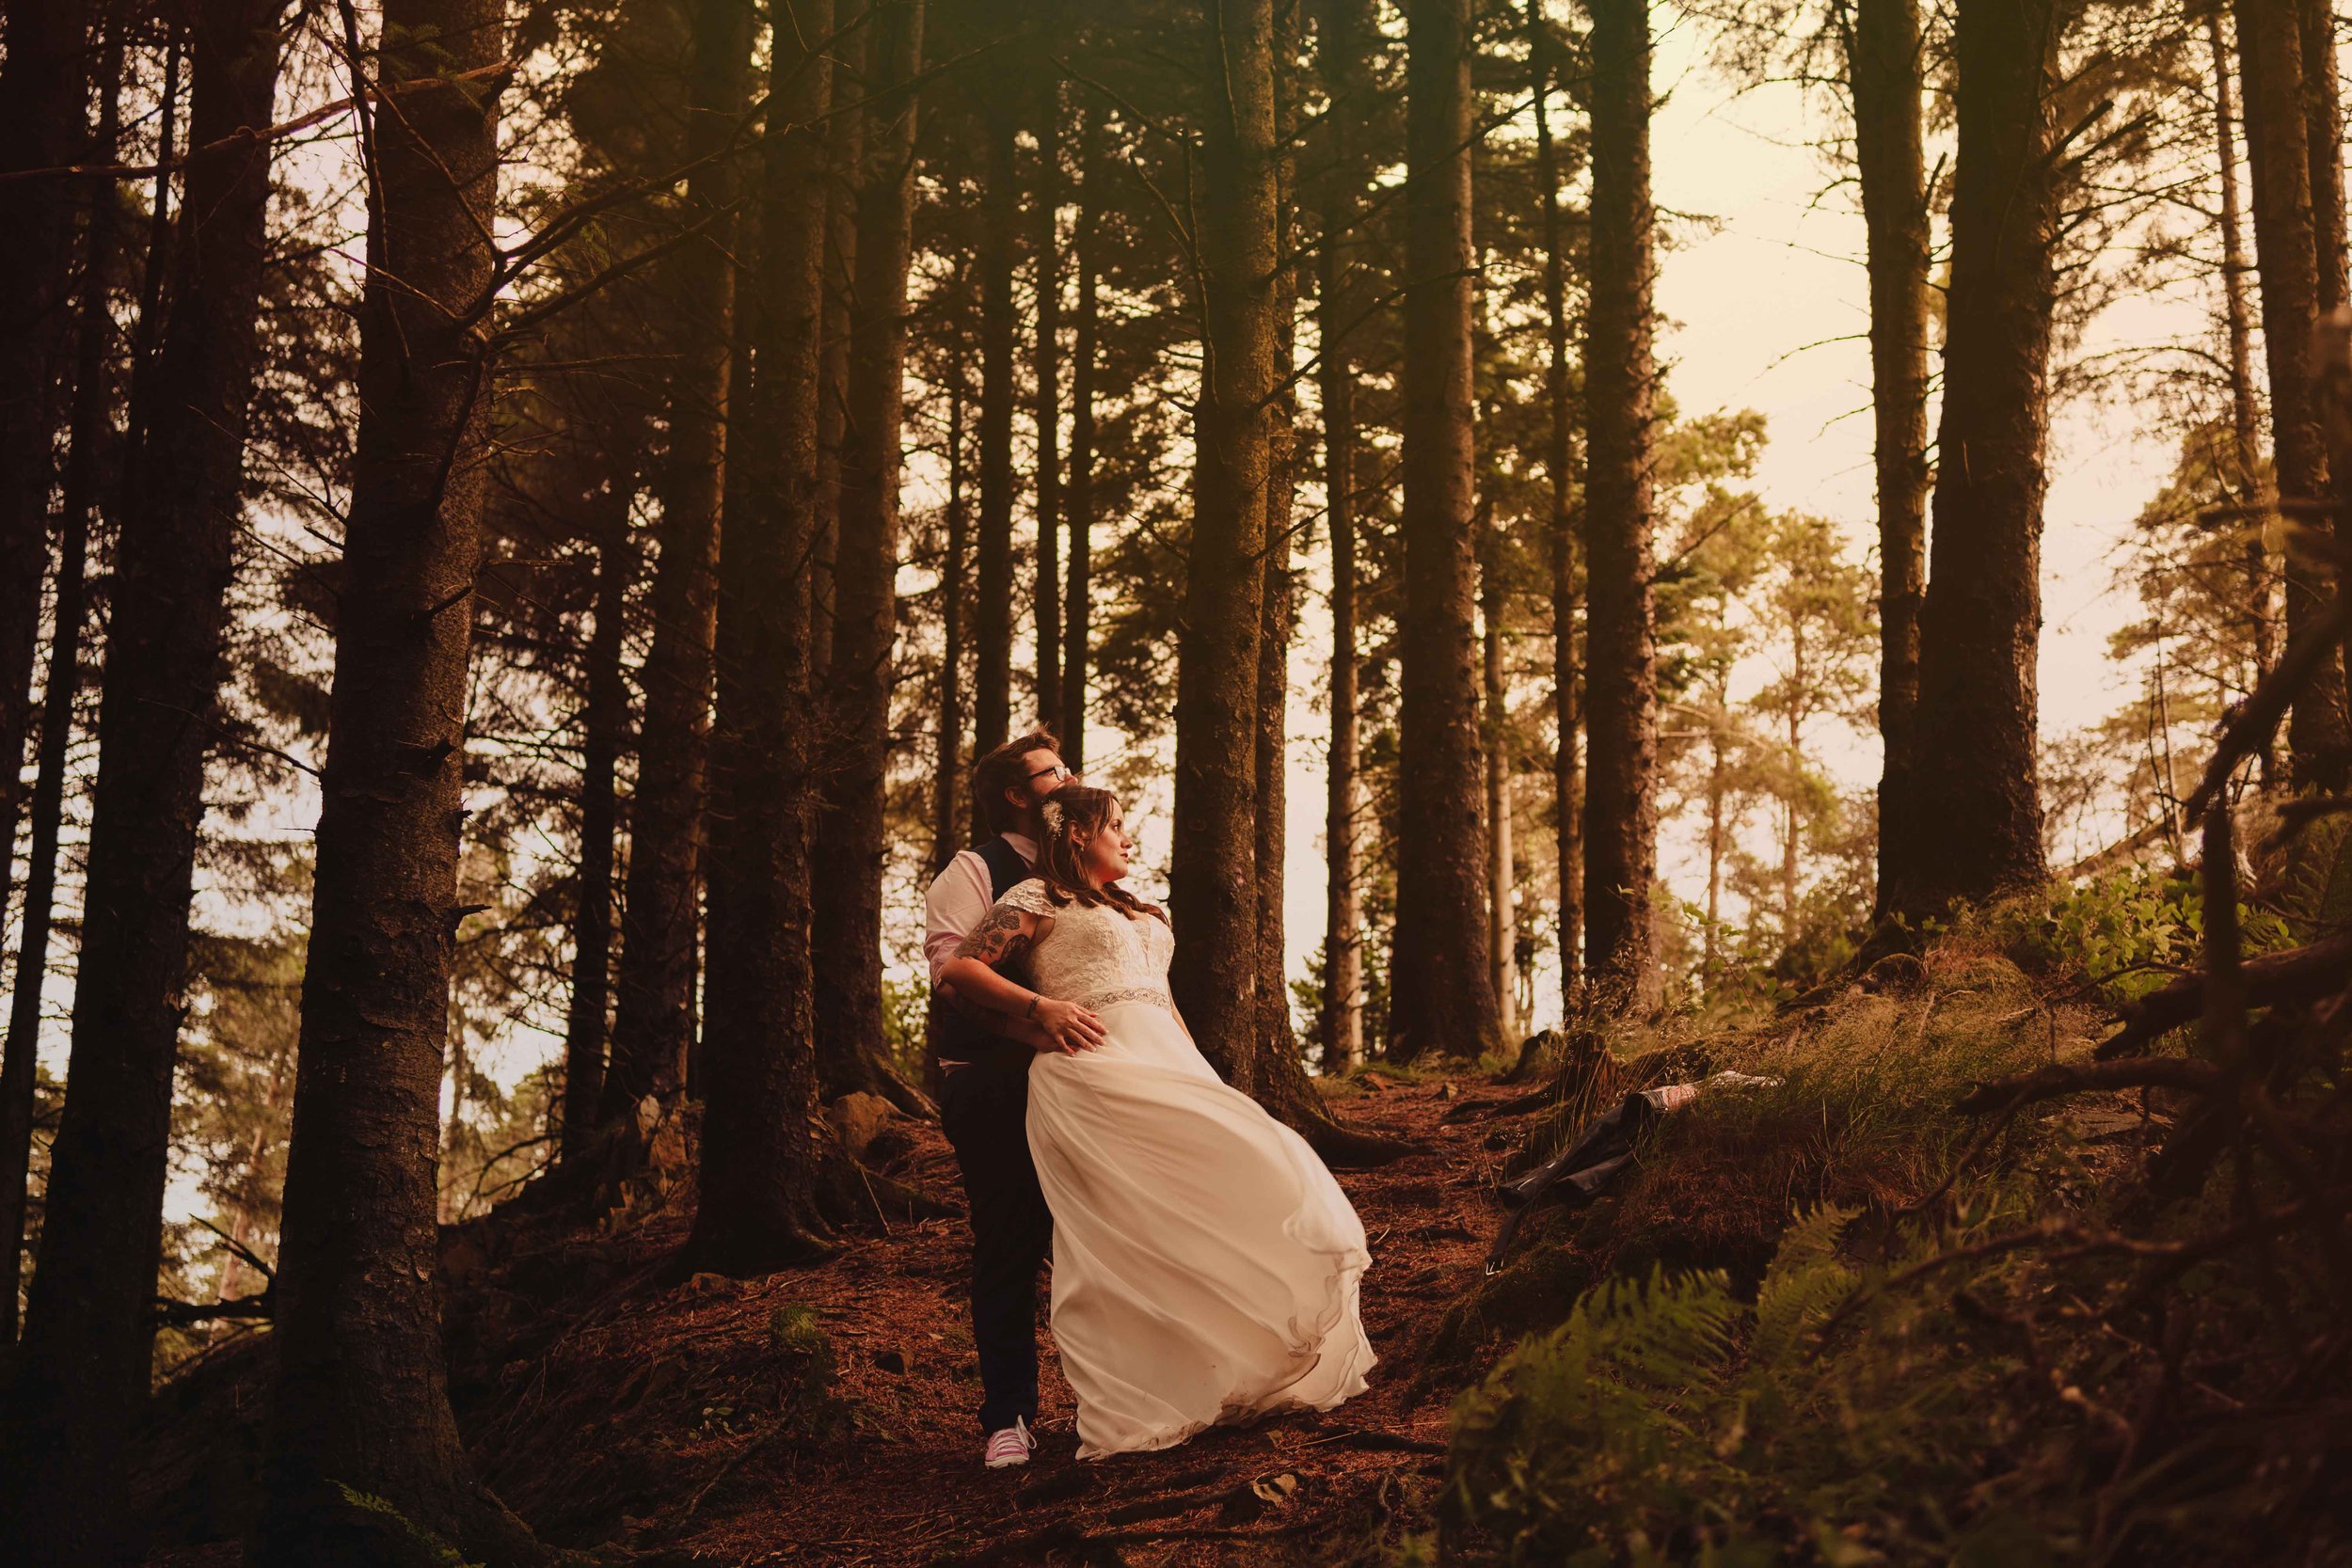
x: 1045, y: 246
x: 1567, y: 783
x: 844, y: 132
x: 1277, y: 1078
x: 1275, y: 1049
x: 2287, y: 250
x: 2323, y: 124
x: 1882, y: 72
x: 87, y: 1327
x: 1621, y: 631
x: 1717, y: 836
x: 604, y: 724
x: 1212, y: 875
x: 993, y: 631
x: 1440, y: 989
x: 1974, y: 830
x: 1791, y: 835
x: 2244, y: 411
x: 758, y: 1172
x: 1345, y: 27
x: 947, y: 829
x: 1501, y: 879
x: 653, y: 1022
x: 88, y: 428
x: 1275, y: 1043
x: 1078, y: 502
x: 43, y: 123
x: 2323, y: 137
x: 848, y: 852
x: 362, y: 1403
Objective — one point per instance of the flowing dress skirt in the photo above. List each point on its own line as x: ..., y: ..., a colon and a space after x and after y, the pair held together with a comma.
x: 1205, y: 1263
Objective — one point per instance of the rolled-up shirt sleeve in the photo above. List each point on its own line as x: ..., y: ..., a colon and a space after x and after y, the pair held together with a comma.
x: 957, y: 899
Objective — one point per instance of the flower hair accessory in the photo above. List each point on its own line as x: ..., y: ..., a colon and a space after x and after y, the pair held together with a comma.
x: 1052, y: 813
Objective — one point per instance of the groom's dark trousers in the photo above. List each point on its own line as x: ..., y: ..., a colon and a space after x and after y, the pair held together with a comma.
x: 984, y: 1109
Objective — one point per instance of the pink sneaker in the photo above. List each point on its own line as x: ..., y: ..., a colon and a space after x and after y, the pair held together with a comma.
x: 1011, y: 1446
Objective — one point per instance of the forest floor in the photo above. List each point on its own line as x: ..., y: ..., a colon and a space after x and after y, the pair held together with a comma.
x: 824, y: 1416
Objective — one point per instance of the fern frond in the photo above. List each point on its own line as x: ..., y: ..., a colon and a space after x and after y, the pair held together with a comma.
x: 1804, y: 1284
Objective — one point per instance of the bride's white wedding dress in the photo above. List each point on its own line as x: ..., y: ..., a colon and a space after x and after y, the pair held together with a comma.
x: 1205, y: 1263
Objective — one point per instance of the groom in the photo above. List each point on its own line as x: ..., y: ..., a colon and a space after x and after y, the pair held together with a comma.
x: 985, y: 1093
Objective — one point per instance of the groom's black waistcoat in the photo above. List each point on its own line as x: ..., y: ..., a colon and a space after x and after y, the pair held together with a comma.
x: 954, y: 1036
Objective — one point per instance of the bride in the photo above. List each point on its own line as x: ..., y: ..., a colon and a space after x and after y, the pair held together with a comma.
x: 1205, y: 1264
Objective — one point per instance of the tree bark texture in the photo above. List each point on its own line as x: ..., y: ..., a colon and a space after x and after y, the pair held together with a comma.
x: 1211, y: 874
x: 1000, y: 215
x: 2286, y: 247
x: 2323, y: 137
x: 2244, y: 409
x: 1440, y: 989
x: 42, y: 123
x: 1568, y: 777
x: 361, y: 1401
x: 845, y: 145
x: 1046, y: 254
x: 87, y: 430
x: 1974, y: 827
x: 1882, y: 72
x: 1502, y: 878
x: 847, y: 854
x: 1274, y: 1043
x: 1274, y: 1050
x: 2323, y: 123
x: 757, y: 1173
x: 653, y: 1022
x: 604, y: 726
x: 1078, y: 500
x: 948, y: 833
x: 1345, y: 27
x: 87, y: 1326
x: 1620, y: 411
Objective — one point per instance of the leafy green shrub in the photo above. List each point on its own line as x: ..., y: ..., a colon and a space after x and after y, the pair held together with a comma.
x: 2128, y: 930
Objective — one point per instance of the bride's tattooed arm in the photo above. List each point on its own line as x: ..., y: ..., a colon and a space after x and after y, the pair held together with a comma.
x: 971, y: 979
x: 991, y: 1021
x: 1001, y: 934
x: 971, y: 976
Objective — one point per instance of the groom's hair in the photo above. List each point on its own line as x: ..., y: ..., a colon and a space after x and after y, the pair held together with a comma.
x: 1006, y: 768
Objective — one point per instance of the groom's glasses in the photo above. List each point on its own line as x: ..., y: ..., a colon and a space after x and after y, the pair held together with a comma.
x: 1057, y: 772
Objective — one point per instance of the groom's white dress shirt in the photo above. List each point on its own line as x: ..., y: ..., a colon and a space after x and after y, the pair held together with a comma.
x: 959, y: 899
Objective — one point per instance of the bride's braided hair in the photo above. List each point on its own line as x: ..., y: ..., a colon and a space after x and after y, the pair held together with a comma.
x: 1067, y: 819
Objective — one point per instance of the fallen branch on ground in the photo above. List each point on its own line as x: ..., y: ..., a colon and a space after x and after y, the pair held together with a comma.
x: 2302, y: 974
x: 2153, y: 1073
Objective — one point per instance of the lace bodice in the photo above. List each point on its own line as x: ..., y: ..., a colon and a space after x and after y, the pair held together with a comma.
x: 1095, y: 956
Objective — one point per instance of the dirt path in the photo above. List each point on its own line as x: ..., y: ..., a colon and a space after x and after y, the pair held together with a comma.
x: 904, y: 1485
x: 824, y: 1416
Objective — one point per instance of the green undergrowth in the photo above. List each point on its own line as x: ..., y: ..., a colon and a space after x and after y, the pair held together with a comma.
x: 1832, y: 1321
x: 1860, y: 1119
x: 1670, y: 1418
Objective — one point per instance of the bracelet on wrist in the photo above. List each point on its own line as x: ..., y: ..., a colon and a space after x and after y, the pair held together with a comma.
x: 1034, y: 999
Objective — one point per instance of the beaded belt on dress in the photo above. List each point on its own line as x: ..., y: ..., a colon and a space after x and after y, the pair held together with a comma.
x: 1152, y: 994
